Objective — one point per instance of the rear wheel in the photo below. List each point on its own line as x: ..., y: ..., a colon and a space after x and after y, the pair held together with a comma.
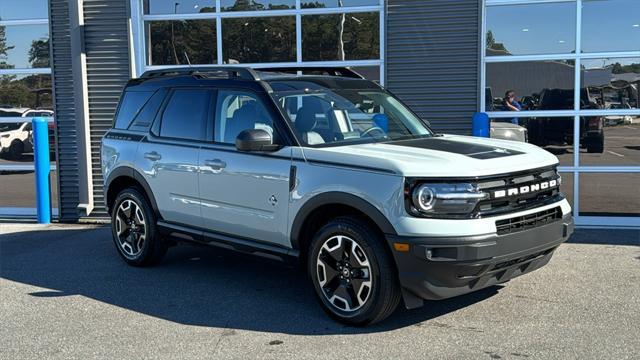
x: 15, y: 150
x: 133, y: 227
x: 353, y: 275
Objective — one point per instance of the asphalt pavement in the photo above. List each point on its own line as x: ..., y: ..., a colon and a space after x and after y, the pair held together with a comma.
x: 65, y: 294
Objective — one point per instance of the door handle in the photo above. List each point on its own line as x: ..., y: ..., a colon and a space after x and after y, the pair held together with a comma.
x: 153, y: 156
x: 215, y: 164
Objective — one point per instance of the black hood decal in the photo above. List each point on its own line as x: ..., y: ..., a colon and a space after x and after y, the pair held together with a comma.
x: 476, y: 151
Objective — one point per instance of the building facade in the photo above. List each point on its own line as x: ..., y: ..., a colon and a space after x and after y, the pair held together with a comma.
x: 573, y: 67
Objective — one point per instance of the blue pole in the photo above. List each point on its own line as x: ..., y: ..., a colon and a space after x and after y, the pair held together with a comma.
x: 43, y: 168
x: 480, y: 125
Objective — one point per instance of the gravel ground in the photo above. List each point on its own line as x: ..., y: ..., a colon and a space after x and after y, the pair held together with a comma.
x: 64, y: 293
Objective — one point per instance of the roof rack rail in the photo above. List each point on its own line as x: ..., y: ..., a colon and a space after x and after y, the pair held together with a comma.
x: 231, y: 71
x: 329, y: 70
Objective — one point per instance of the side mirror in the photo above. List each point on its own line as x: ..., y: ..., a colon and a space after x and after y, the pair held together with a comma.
x: 255, y: 140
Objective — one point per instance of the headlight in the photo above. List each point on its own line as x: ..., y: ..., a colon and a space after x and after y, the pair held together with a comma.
x: 442, y: 200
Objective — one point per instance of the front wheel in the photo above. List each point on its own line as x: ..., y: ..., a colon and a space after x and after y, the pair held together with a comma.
x: 352, y: 272
x: 133, y: 226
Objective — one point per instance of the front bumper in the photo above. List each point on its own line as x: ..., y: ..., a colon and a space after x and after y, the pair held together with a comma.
x: 442, y: 267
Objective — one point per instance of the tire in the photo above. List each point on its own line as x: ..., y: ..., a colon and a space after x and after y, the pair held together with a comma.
x: 15, y: 150
x: 596, y: 146
x: 377, y: 295
x: 134, y: 229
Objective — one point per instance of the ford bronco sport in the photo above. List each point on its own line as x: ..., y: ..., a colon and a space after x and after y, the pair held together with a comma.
x: 327, y: 169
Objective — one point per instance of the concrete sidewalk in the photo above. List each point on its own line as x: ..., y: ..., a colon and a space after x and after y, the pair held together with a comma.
x: 65, y: 293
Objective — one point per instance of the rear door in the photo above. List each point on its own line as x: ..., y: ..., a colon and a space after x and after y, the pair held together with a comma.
x: 168, y: 157
x: 244, y: 194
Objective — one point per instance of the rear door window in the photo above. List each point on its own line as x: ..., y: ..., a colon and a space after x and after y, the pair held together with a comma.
x: 130, y: 105
x: 185, y: 115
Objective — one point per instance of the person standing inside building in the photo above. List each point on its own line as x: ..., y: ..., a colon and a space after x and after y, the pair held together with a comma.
x: 511, y: 104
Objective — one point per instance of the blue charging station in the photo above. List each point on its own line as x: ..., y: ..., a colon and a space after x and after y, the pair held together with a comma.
x: 42, y: 169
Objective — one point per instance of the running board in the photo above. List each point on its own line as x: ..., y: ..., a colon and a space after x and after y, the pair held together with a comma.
x: 229, y: 242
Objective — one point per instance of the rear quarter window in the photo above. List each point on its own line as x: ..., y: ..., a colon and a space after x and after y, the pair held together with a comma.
x: 130, y: 105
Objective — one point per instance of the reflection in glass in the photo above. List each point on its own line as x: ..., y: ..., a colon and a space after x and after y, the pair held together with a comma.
x: 354, y: 36
x: 181, y: 42
x: 260, y: 39
x: 610, y: 25
x: 27, y: 9
x: 609, y: 194
x: 531, y: 29
x: 179, y: 7
x: 519, y: 85
x: 17, y: 187
x: 553, y: 134
x: 613, y: 83
x: 24, y: 46
x: 337, y: 3
x: 621, y: 146
x: 369, y: 72
x: 19, y: 93
x: 256, y: 5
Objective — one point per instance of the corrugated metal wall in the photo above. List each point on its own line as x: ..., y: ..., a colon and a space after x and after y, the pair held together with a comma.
x: 432, y: 59
x: 67, y: 149
x: 107, y: 48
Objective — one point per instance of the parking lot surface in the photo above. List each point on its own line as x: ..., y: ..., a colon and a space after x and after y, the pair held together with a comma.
x: 65, y: 293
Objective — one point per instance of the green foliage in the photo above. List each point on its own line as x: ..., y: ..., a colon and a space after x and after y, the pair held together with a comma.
x: 360, y: 38
x: 33, y: 91
x: 621, y: 69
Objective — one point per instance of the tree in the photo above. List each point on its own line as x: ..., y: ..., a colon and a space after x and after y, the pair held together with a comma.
x: 39, y: 53
x: 4, y: 49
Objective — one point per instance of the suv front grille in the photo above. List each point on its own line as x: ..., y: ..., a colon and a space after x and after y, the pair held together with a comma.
x: 526, y: 222
x: 523, y: 201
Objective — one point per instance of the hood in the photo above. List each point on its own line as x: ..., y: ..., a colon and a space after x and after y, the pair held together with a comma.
x: 441, y: 156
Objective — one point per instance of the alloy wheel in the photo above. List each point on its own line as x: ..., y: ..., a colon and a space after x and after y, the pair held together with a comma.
x: 130, y: 228
x: 344, y: 273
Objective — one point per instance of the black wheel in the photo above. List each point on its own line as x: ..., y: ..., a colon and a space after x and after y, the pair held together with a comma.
x: 133, y: 226
x: 352, y: 272
x: 15, y: 150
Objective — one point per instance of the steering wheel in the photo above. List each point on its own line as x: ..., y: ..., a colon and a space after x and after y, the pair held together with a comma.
x: 374, y: 129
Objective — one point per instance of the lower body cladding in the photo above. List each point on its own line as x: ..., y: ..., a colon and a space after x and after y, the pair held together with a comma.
x: 437, y: 268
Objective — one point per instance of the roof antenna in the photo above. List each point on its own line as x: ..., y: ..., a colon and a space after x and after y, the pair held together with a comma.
x: 187, y: 57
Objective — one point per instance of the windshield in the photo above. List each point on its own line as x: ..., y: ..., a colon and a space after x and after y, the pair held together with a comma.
x: 325, y: 116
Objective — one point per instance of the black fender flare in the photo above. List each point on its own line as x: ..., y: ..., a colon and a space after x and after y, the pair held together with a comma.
x: 125, y: 171
x: 341, y: 198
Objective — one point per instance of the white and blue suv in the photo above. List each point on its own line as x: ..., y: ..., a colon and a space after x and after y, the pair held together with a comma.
x: 326, y: 169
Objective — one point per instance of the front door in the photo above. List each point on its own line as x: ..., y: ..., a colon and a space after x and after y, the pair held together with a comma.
x: 244, y: 194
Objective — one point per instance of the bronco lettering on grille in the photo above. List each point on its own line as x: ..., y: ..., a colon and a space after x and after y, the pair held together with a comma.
x: 525, y: 189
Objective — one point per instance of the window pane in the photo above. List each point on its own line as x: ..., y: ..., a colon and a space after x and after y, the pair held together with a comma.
x: 147, y: 114
x: 609, y: 194
x: 369, y: 72
x: 255, y: 40
x: 531, y: 29
x: 612, y: 140
x: 552, y: 134
x: 25, y: 46
x: 337, y: 3
x: 181, y: 7
x: 18, y: 188
x: 19, y: 93
x: 185, y: 115
x: 610, y: 25
x: 531, y: 91
x: 181, y: 42
x: 130, y: 105
x: 248, y: 5
x: 238, y: 111
x: 613, y: 83
x: 341, y: 37
x: 28, y: 9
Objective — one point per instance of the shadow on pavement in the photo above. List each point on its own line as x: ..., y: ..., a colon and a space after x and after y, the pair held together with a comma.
x: 194, y: 285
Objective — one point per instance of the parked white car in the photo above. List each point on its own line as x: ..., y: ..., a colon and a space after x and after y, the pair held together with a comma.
x: 15, y: 137
x: 613, y: 120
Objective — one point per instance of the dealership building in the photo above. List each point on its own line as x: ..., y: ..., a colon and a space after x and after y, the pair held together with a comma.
x: 574, y: 66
